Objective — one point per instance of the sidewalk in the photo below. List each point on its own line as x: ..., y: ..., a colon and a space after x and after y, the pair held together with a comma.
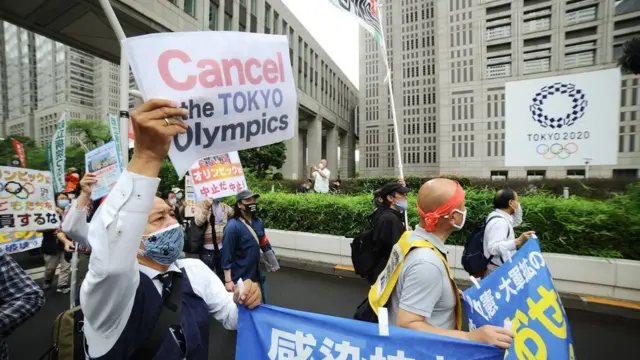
x: 626, y: 309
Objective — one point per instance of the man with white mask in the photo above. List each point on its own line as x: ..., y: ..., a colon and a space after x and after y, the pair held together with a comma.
x: 500, y: 242
x: 321, y: 177
x: 129, y: 300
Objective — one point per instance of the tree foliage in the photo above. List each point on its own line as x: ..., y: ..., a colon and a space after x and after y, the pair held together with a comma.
x: 630, y: 59
x: 93, y: 133
x: 260, y: 160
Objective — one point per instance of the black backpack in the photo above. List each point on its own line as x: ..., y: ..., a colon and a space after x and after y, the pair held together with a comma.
x: 363, y: 254
x: 473, y: 259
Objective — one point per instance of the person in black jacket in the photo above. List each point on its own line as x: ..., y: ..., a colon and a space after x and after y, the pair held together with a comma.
x: 388, y: 223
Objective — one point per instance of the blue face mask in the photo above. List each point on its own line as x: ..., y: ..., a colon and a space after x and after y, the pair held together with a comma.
x: 179, y: 196
x: 63, y: 203
x: 164, y: 246
x: 402, y: 205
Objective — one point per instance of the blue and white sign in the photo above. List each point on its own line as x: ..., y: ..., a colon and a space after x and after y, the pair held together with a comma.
x: 563, y: 120
x: 273, y: 333
x: 521, y: 291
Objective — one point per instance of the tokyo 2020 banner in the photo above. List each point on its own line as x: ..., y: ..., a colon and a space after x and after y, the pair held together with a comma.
x: 563, y: 120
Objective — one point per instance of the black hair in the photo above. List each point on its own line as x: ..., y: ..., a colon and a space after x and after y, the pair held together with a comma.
x: 502, y: 198
x: 237, y: 212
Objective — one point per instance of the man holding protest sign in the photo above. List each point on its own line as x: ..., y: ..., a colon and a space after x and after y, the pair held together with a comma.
x: 138, y: 299
x: 417, y: 279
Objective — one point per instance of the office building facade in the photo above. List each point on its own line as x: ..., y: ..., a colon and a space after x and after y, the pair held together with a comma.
x: 450, y: 61
x: 44, y: 79
x: 326, y: 97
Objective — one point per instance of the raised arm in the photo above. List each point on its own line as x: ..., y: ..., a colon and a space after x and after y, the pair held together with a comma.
x: 115, y: 233
x: 116, y: 230
x: 75, y: 223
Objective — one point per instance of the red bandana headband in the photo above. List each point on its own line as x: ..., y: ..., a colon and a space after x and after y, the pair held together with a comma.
x: 431, y: 218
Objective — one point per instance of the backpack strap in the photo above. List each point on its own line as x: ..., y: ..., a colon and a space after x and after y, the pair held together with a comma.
x: 508, y: 233
x: 170, y: 314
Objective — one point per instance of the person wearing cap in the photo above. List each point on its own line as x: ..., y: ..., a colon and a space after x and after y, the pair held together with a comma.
x: 243, y: 238
x: 388, y: 223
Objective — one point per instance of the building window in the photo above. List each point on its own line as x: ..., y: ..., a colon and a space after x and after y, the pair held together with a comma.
x: 499, y: 175
x: 579, y: 59
x: 536, y: 175
x: 625, y: 173
x: 227, y: 22
x: 213, y: 16
x: 576, y: 173
x: 190, y: 7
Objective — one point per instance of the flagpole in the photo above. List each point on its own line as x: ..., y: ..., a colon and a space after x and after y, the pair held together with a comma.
x: 385, y: 57
x: 124, y: 79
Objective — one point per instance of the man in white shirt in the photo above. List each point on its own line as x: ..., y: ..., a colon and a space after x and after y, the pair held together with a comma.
x: 500, y: 242
x: 135, y: 244
x: 321, y: 177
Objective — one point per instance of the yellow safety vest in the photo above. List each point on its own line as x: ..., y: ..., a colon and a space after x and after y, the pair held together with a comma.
x: 380, y: 292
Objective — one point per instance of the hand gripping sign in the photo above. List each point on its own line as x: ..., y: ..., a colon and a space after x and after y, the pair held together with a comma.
x: 238, y: 88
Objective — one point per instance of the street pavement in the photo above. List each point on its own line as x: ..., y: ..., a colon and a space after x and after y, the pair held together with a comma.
x: 596, y: 336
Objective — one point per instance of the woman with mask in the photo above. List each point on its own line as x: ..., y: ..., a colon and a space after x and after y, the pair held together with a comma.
x: 214, y: 215
x: 388, y: 223
x: 57, y: 250
x: 243, y: 238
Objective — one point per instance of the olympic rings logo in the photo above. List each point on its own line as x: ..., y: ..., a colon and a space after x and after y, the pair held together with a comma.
x: 557, y: 150
x: 13, y: 188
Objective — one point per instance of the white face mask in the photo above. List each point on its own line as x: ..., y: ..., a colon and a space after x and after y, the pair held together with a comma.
x: 517, y: 216
x: 464, y: 219
x: 172, y: 201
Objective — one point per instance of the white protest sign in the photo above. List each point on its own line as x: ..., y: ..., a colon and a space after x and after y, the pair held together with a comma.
x: 238, y: 87
x: 218, y: 176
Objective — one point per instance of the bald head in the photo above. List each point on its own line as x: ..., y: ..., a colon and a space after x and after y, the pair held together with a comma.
x: 160, y: 217
x: 434, y: 193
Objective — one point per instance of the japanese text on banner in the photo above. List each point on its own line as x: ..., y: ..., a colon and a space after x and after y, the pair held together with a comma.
x: 218, y: 176
x: 274, y: 333
x: 189, y: 197
x: 56, y: 155
x: 114, y: 126
x: 26, y: 200
x: 521, y: 291
x: 105, y: 163
x: 19, y: 241
x: 238, y: 97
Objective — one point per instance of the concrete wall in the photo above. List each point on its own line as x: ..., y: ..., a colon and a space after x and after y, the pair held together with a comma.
x: 584, y: 275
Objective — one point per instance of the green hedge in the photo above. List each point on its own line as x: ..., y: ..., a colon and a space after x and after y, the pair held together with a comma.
x: 590, y: 188
x: 577, y: 226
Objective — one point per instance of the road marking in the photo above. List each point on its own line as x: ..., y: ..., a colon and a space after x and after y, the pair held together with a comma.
x: 612, y: 302
x: 345, y: 268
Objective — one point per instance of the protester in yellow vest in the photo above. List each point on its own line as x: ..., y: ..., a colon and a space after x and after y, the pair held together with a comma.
x: 417, y: 284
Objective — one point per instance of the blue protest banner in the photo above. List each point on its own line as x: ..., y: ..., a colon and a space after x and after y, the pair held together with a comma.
x: 274, y: 333
x: 521, y: 291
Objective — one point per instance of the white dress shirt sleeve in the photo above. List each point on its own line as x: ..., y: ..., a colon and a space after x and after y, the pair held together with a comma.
x: 115, y: 232
x: 208, y: 286
x: 497, y: 239
x: 75, y: 225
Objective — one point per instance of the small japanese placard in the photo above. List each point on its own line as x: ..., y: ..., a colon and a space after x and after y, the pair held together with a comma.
x: 218, y: 176
x: 27, y: 201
